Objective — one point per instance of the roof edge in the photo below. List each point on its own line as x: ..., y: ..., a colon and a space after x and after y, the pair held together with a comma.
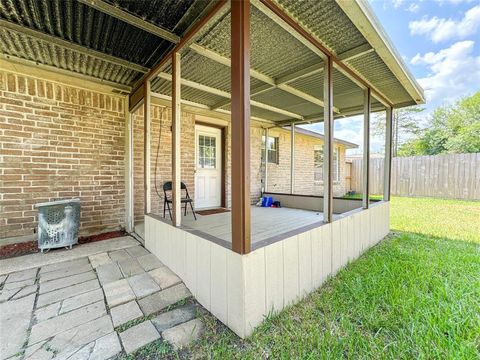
x: 362, y: 16
x: 306, y: 132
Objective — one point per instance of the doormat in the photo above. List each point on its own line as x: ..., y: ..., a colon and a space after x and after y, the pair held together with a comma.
x: 212, y: 211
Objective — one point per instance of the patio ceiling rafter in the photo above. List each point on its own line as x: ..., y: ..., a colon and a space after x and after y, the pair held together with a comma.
x: 53, y: 69
x: 227, y: 95
x: 212, y: 55
x: 131, y: 19
x: 70, y: 45
x: 274, y: 12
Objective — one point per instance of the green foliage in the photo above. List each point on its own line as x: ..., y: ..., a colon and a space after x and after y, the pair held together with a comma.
x: 451, y: 129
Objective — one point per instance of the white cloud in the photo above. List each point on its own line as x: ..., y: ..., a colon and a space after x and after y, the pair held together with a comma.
x: 413, y: 7
x: 440, y: 29
x: 453, y: 72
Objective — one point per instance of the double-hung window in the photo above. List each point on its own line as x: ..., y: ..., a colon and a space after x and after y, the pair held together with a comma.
x: 272, y: 149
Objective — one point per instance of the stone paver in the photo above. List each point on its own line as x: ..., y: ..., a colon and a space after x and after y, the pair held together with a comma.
x: 160, y: 300
x: 63, y: 265
x: 22, y: 276
x: 25, y: 291
x: 15, y: 318
x: 80, y: 300
x: 143, y: 285
x: 138, y: 336
x: 183, y: 334
x: 118, y: 292
x: 64, y: 272
x: 66, y: 281
x: 137, y: 251
x: 130, y: 267
x: 108, y: 273
x: 164, y: 277
x: 99, y: 259
x: 59, y: 324
x: 69, y: 319
x: 119, y: 255
x: 174, y: 317
x: 149, y: 262
x: 105, y: 347
x: 125, y: 313
x: 62, y: 294
x: 71, y: 341
x: 18, y: 284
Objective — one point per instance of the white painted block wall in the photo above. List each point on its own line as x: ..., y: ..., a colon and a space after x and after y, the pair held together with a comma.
x: 242, y: 290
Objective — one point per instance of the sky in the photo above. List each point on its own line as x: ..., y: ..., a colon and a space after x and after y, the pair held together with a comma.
x: 439, y: 41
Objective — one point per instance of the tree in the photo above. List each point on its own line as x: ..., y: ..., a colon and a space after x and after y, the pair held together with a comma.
x: 405, y: 125
x: 451, y: 129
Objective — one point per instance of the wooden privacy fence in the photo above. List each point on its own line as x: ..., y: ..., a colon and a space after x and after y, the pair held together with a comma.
x: 452, y: 176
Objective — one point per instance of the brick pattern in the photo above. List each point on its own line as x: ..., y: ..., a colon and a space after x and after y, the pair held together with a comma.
x: 161, y: 115
x: 58, y: 142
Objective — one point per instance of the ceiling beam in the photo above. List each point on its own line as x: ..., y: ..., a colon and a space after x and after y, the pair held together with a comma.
x: 257, y: 75
x: 70, y: 46
x: 227, y: 95
x: 356, y: 52
x: 254, y: 91
x: 204, y: 107
x: 74, y: 74
x: 133, y: 20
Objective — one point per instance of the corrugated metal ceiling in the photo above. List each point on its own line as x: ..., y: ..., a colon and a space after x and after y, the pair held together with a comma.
x: 274, y: 52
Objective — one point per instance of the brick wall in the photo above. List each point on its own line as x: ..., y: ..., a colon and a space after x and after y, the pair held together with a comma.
x: 58, y: 142
x: 279, y: 174
x: 161, y: 115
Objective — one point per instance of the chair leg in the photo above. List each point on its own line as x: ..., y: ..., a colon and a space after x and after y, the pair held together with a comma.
x: 185, y: 210
x: 169, y: 211
x: 193, y: 212
x: 164, y: 209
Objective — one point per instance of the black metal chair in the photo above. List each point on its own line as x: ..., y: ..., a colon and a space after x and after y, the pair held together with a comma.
x: 167, y: 187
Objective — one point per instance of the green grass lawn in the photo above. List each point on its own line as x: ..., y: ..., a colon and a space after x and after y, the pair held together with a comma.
x: 415, y: 295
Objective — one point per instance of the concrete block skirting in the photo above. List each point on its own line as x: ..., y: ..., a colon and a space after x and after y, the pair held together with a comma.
x: 240, y: 290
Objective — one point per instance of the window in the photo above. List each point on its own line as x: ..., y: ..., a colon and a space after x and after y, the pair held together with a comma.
x: 207, y: 154
x: 272, y: 149
x: 318, y: 164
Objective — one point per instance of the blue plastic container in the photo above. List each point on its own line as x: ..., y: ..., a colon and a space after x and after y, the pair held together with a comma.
x: 267, y: 201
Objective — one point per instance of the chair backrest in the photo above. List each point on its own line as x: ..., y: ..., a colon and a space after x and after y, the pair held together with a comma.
x: 167, y: 186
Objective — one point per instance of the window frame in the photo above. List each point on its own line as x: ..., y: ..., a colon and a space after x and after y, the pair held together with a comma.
x: 276, y: 142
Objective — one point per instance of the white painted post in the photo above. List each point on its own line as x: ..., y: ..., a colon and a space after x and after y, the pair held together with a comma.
x: 176, y: 131
x: 147, y: 149
x: 265, y: 184
x: 128, y: 169
x: 328, y: 145
x: 292, y: 157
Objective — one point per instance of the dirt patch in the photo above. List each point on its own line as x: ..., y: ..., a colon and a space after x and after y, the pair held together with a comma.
x: 31, y: 247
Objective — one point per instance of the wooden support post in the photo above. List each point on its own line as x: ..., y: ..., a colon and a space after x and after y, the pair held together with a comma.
x: 292, y: 157
x: 367, y: 102
x: 328, y: 145
x: 146, y: 148
x: 240, y: 83
x: 129, y: 223
x: 176, y: 132
x: 387, y: 177
x: 265, y: 178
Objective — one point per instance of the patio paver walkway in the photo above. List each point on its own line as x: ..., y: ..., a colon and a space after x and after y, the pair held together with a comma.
x: 98, y: 304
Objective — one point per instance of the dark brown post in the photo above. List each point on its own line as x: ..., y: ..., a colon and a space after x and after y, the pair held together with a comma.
x: 328, y: 145
x: 387, y: 177
x: 240, y: 82
x: 367, y: 101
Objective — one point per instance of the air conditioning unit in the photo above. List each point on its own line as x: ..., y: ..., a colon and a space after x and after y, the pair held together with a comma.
x: 58, y: 223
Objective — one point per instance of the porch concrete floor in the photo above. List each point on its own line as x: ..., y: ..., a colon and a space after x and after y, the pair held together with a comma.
x: 94, y: 305
x: 266, y: 223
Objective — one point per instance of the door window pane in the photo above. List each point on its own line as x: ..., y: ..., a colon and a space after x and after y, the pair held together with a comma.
x: 207, y: 152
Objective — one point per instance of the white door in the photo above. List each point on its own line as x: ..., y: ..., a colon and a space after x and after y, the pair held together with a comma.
x: 208, y: 167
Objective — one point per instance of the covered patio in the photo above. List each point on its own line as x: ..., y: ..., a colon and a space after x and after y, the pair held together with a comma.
x: 213, y: 95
